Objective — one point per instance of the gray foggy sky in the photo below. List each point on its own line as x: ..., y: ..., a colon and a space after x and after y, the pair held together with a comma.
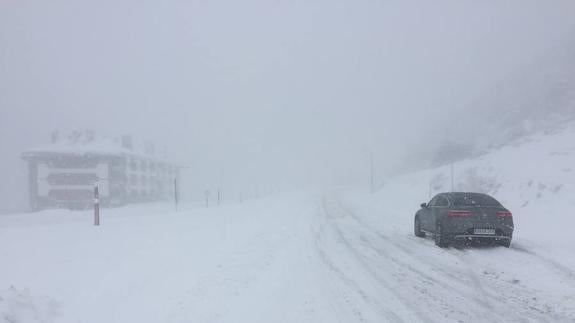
x: 258, y: 93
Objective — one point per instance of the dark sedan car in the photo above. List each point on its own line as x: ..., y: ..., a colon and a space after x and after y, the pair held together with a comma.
x: 464, y: 216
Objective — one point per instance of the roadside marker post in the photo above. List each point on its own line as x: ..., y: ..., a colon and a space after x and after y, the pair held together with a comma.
x: 207, y: 195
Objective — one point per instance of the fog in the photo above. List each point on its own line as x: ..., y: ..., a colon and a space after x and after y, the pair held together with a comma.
x: 261, y: 96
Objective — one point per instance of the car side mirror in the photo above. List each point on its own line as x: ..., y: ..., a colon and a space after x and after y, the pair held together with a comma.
x: 423, y: 205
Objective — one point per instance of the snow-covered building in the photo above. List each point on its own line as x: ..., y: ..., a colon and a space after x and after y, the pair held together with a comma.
x: 63, y: 173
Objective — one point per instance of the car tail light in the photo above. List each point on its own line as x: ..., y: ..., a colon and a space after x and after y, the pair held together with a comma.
x: 504, y: 214
x: 459, y: 214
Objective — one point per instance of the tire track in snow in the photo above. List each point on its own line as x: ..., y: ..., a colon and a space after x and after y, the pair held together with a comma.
x: 492, y: 302
x: 405, y: 250
x: 390, y: 316
x: 563, y: 270
x: 464, y: 282
x: 426, y: 279
x: 401, y: 267
x: 348, y: 281
x: 528, y: 308
x: 383, y: 281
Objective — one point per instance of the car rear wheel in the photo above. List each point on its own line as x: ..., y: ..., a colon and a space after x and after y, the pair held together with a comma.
x: 505, y: 243
x: 417, y: 228
x: 441, y: 239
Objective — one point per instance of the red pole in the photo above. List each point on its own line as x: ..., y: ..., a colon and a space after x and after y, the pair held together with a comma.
x: 96, y: 205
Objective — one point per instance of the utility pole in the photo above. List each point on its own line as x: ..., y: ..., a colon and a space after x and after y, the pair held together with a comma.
x: 176, y: 193
x: 207, y: 195
x: 452, y: 177
x: 219, y: 196
x: 371, y: 172
x: 96, y: 205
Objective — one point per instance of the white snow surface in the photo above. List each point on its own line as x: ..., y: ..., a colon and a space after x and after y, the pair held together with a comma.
x: 340, y: 255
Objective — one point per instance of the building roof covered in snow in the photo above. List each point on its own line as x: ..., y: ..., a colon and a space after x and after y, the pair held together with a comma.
x: 88, y: 144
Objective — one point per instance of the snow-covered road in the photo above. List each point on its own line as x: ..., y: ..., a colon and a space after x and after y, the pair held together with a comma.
x: 398, y: 277
x: 313, y: 257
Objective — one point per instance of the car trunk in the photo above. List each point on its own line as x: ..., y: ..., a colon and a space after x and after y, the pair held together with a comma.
x: 481, y: 217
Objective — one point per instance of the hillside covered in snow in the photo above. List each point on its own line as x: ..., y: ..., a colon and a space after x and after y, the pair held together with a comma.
x: 534, y: 177
x: 535, y: 97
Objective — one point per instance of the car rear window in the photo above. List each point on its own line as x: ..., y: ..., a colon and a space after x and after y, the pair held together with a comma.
x: 474, y: 200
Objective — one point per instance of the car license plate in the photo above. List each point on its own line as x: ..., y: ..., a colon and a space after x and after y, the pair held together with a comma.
x: 484, y: 231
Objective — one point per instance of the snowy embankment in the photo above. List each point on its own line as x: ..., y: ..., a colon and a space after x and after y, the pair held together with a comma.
x: 534, y: 178
x: 338, y: 256
x: 532, y: 281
